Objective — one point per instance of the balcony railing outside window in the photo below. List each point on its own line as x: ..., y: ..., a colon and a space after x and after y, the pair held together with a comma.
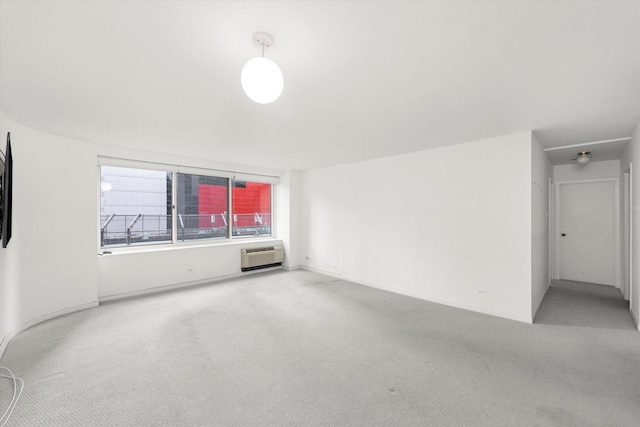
x: 118, y: 230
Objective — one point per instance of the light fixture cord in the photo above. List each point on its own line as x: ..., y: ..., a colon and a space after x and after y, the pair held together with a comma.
x: 263, y: 50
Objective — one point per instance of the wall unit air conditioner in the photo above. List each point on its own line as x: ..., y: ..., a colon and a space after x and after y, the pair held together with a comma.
x: 256, y: 258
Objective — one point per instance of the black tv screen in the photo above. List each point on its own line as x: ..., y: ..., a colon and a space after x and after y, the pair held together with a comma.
x: 7, y: 194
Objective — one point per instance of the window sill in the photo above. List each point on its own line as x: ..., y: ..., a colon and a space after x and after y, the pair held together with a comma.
x: 246, y: 241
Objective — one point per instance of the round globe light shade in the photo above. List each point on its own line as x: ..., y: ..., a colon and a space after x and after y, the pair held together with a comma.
x: 262, y: 80
x: 584, y: 159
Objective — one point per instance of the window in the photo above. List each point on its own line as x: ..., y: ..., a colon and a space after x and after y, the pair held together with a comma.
x: 202, y: 207
x: 251, y: 209
x: 137, y: 206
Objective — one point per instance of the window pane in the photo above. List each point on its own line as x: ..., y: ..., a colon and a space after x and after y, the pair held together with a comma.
x: 251, y: 202
x: 135, y: 206
x: 202, y: 207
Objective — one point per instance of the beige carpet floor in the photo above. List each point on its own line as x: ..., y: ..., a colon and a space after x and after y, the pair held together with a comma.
x: 302, y: 349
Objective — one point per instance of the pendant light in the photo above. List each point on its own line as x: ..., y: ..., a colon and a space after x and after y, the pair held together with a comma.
x: 261, y: 78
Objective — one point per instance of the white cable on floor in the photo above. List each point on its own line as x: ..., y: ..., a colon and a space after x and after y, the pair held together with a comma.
x: 14, y: 399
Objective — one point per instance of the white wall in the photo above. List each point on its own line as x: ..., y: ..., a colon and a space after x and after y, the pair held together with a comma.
x: 541, y: 171
x: 632, y: 156
x: 137, y: 270
x: 289, y: 217
x: 132, y: 273
x: 451, y: 225
x: 296, y: 221
x: 51, y: 265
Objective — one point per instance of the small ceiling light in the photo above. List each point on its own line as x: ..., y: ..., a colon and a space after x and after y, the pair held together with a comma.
x: 584, y: 157
x: 261, y: 78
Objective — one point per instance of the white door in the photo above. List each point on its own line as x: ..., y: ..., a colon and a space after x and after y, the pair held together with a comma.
x: 587, y: 232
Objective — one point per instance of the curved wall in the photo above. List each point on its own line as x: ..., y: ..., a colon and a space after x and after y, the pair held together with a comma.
x: 51, y: 265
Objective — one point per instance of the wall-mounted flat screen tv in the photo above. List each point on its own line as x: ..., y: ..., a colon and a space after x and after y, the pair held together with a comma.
x: 6, y: 194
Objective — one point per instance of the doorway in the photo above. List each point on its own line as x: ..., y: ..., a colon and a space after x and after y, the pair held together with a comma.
x: 586, y: 241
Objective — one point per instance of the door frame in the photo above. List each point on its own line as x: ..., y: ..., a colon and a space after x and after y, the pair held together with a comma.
x: 616, y: 226
x: 627, y: 233
x: 552, y: 229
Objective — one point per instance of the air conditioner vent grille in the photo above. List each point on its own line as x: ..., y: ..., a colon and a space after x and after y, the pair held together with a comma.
x: 255, y: 258
x: 254, y: 250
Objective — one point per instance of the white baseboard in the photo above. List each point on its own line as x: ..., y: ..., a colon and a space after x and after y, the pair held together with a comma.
x: 325, y: 272
x: 430, y: 298
x: 122, y: 295
x: 40, y: 319
x: 635, y: 318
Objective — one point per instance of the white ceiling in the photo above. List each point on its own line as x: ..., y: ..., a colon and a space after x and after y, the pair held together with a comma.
x: 363, y: 79
x: 598, y: 150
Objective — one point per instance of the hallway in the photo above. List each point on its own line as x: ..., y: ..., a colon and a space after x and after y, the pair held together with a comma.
x: 586, y: 305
